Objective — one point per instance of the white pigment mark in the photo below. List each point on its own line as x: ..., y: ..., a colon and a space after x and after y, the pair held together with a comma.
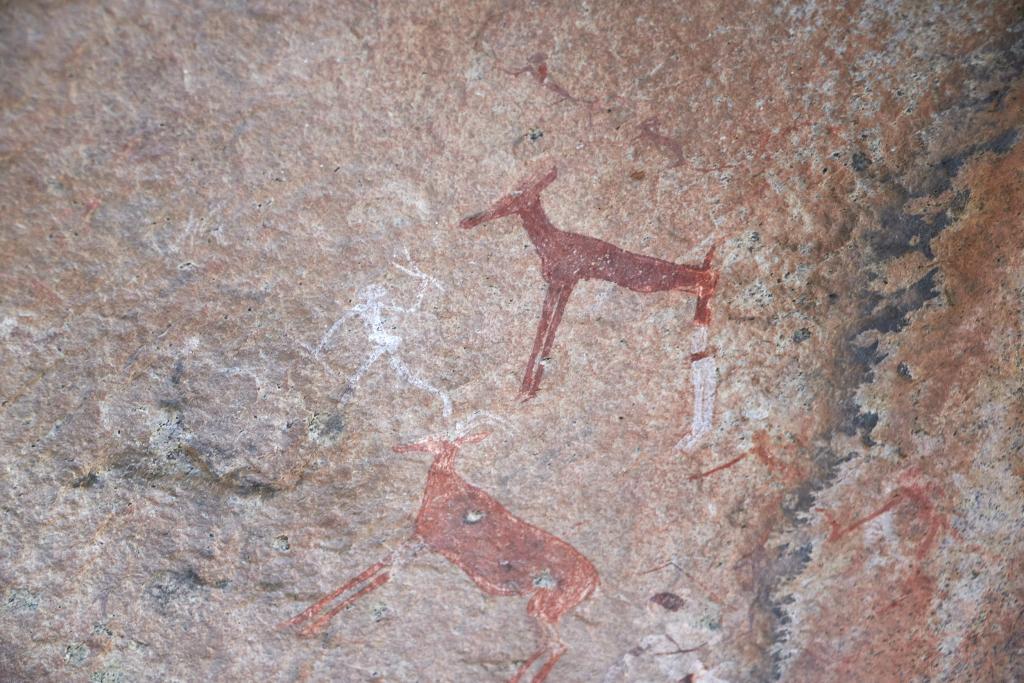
x: 704, y: 374
x: 380, y: 318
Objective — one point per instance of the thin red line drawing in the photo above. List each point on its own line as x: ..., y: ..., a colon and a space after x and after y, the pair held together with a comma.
x: 502, y: 554
x: 719, y: 468
x: 568, y: 257
x: 537, y: 67
x: 920, y: 496
x: 761, y: 452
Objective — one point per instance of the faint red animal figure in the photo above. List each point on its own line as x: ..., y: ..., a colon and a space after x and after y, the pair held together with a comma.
x: 919, y: 496
x: 537, y: 67
x: 651, y: 130
x: 501, y: 553
x: 568, y: 257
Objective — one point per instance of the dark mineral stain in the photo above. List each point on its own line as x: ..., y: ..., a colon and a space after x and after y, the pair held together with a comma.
x: 178, y: 372
x: 901, y: 231
x: 88, y: 481
x: 326, y: 426
x: 246, y: 485
x: 171, y: 586
x: 949, y: 167
x: 860, y: 162
x: 903, y: 370
x: 885, y: 314
x: 801, y: 335
x: 904, y: 232
x: 890, y: 314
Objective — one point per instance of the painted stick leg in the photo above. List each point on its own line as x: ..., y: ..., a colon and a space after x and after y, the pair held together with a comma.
x: 703, y: 369
x: 551, y: 646
x: 554, y: 306
x: 400, y: 368
x: 353, y: 381
x: 556, y: 654
x: 525, y: 666
x: 556, y: 319
x: 703, y: 372
x: 552, y: 317
x: 373, y: 577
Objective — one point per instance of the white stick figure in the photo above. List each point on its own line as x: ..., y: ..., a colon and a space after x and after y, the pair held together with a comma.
x: 378, y: 317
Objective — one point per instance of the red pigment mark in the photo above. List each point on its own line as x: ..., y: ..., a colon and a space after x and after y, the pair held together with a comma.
x: 836, y: 531
x: 568, y: 257
x: 760, y: 451
x: 670, y: 601
x: 774, y: 465
x: 501, y: 553
x: 38, y: 289
x: 90, y: 209
x: 650, y: 129
x: 82, y: 221
x: 727, y: 465
x: 916, y: 494
x: 916, y: 585
x: 537, y: 67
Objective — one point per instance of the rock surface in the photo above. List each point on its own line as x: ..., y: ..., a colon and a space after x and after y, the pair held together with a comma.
x: 233, y: 280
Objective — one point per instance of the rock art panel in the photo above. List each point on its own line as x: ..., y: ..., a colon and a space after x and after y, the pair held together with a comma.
x: 231, y: 280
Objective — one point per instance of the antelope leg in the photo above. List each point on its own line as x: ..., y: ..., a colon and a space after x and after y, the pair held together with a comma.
x: 554, y: 306
x: 322, y: 621
x: 318, y: 606
x: 538, y: 340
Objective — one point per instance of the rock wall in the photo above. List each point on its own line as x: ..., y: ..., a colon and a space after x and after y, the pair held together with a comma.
x: 233, y: 280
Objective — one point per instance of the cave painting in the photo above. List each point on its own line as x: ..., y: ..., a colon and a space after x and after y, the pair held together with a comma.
x: 650, y: 130
x: 502, y: 554
x: 379, y: 317
x: 537, y: 67
x: 917, y: 497
x: 568, y: 257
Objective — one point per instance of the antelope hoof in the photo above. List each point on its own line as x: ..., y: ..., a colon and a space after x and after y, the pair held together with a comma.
x: 472, y: 220
x: 526, y: 394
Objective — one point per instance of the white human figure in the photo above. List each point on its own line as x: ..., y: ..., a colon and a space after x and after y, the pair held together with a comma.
x: 378, y: 317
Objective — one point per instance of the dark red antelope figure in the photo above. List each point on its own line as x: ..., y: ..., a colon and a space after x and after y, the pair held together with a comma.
x: 568, y: 257
x: 501, y: 553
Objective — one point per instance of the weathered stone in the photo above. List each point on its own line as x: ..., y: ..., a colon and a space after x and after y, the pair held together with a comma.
x: 234, y: 280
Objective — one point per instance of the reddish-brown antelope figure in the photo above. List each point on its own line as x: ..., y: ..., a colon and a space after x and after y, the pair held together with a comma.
x: 501, y: 553
x: 568, y: 257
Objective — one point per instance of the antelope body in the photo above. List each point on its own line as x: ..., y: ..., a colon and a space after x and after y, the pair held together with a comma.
x: 568, y: 257
x: 502, y: 554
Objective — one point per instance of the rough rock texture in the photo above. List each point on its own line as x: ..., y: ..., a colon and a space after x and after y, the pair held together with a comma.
x: 232, y: 280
